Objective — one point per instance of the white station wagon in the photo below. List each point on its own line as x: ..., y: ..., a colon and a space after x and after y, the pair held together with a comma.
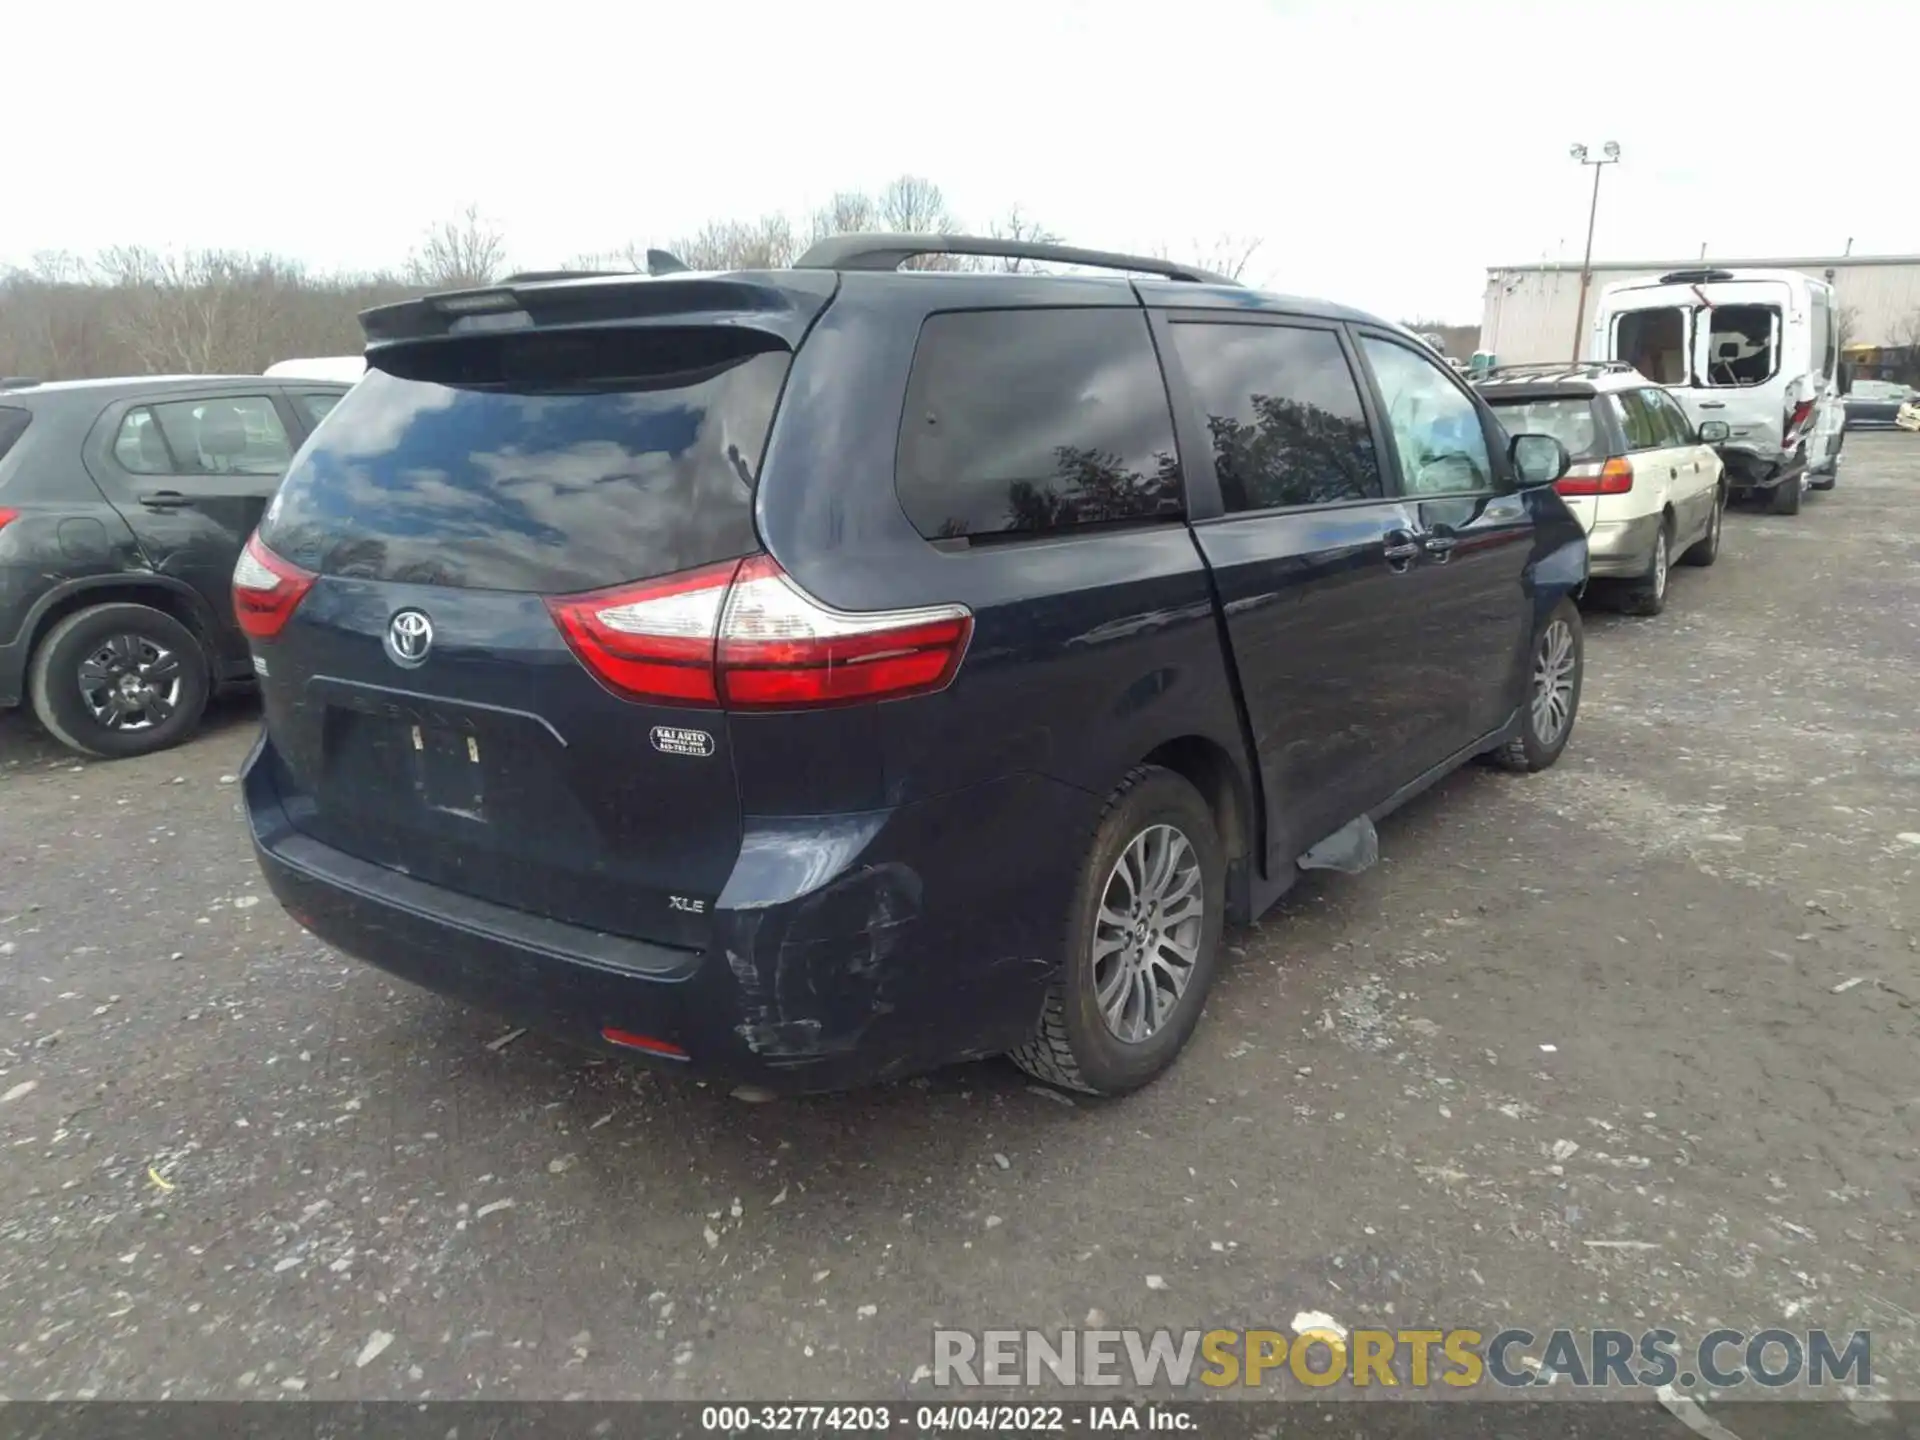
x: 1646, y: 483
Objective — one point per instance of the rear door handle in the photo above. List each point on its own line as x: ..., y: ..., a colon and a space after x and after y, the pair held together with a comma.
x: 1439, y: 543
x: 1402, y: 549
x: 165, y: 500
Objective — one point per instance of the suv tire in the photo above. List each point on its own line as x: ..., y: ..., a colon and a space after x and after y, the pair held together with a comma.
x: 1785, y: 497
x: 1706, y: 549
x: 1154, y: 851
x: 1556, y: 668
x: 1648, y: 594
x: 119, y: 680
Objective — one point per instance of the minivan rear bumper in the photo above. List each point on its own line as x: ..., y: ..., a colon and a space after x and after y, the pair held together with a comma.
x: 868, y: 975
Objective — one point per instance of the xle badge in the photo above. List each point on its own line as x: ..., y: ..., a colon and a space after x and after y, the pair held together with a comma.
x: 671, y: 740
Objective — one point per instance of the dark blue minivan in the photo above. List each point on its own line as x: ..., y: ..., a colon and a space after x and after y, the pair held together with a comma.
x: 814, y: 676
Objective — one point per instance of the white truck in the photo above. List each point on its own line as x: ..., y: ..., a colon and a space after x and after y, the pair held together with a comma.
x: 1757, y: 349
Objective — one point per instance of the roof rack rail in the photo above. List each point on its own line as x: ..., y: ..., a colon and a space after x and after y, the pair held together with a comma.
x: 889, y: 251
x: 1558, y: 367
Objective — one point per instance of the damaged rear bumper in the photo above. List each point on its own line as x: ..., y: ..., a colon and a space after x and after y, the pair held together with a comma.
x: 844, y: 950
x: 1749, y: 469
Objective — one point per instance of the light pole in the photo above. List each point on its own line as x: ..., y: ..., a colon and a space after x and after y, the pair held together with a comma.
x: 1609, y: 155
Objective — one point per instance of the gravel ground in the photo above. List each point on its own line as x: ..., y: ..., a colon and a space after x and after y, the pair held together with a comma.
x: 1662, y: 995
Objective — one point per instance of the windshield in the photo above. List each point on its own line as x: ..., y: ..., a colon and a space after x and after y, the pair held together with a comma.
x: 1569, y: 420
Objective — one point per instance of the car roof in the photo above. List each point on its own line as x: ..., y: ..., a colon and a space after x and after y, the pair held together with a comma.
x: 118, y: 387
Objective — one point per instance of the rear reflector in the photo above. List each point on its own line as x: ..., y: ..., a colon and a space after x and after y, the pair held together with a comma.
x: 642, y: 1042
x: 744, y: 636
x: 1613, y: 478
x: 267, y: 590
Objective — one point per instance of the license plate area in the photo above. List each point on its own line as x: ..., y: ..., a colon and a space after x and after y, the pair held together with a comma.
x: 446, y: 770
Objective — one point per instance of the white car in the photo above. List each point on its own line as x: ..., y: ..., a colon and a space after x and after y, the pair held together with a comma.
x: 1646, y: 484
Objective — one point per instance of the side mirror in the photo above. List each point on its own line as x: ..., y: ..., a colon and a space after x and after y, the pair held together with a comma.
x: 1713, y: 432
x: 1538, y: 460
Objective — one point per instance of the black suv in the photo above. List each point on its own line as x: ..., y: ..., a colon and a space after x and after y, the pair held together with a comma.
x: 124, y: 505
x: 812, y: 676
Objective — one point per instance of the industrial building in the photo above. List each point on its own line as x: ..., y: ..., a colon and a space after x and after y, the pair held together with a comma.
x: 1530, y: 311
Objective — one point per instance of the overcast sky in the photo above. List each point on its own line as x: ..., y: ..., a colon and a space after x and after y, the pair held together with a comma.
x: 1383, y: 153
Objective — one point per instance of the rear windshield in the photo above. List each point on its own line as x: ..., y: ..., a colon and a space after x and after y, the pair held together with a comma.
x: 1570, y: 421
x: 542, y: 463
x: 13, y: 424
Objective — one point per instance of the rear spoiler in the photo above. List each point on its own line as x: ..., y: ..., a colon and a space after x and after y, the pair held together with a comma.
x: 783, y: 304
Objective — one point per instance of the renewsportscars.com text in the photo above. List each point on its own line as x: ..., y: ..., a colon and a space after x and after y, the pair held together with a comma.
x: 1413, y: 1359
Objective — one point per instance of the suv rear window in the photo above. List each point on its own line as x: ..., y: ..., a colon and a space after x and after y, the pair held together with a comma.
x: 1021, y: 421
x: 13, y: 424
x: 547, y: 463
x: 1569, y: 419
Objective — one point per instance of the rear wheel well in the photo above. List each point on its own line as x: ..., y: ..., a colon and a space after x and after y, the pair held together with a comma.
x: 1205, y: 765
x: 154, y: 597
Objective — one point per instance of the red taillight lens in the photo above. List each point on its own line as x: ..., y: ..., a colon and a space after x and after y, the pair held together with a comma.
x: 267, y: 590
x: 743, y: 635
x: 654, y: 640
x: 7, y: 517
x: 780, y: 647
x: 1796, y: 417
x: 1613, y: 478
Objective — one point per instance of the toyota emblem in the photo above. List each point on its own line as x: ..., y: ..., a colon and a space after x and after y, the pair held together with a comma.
x: 409, y: 637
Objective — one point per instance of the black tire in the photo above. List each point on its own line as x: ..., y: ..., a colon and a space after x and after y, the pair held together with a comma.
x: 1648, y: 594
x: 135, y: 636
x: 1785, y: 499
x: 1531, y: 750
x: 1706, y: 549
x: 1073, y: 1045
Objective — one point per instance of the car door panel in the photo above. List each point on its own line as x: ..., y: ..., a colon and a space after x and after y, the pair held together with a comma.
x: 1313, y: 562
x: 192, y: 502
x: 1474, y: 613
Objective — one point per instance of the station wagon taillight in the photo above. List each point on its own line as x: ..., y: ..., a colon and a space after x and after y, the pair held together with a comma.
x: 1613, y: 478
x: 743, y: 636
x: 267, y: 589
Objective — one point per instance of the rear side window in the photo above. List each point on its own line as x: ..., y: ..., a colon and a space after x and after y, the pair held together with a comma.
x: 315, y: 404
x: 13, y: 424
x: 1031, y: 421
x: 1283, y: 413
x: 545, y: 463
x: 1570, y: 420
x: 1743, y: 344
x: 1654, y: 342
x: 226, y: 435
x: 1638, y: 421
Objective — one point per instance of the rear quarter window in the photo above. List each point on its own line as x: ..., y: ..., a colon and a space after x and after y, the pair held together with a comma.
x: 1036, y: 421
x: 537, y: 464
x: 1570, y: 420
x: 13, y: 424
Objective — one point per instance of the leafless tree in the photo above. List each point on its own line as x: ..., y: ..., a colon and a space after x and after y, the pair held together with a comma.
x: 459, y: 254
x: 763, y: 244
x: 1846, y: 325
x: 1226, y: 255
x: 850, y: 212
x: 914, y: 205
x: 1019, y: 227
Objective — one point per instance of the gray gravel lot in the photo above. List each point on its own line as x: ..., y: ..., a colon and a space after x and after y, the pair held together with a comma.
x: 1664, y: 994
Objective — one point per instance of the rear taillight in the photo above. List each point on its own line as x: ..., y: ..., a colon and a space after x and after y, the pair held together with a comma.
x: 1796, y: 417
x: 1613, y: 478
x: 744, y: 636
x: 267, y: 590
x: 7, y: 517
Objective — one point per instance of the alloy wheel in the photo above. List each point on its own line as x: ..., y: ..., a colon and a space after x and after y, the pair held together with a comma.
x: 130, y: 683
x: 1147, y: 935
x: 1553, y: 676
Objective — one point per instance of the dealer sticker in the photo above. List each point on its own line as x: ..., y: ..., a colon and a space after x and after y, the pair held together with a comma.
x: 672, y: 740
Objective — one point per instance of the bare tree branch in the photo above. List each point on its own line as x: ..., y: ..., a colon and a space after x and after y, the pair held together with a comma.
x: 460, y: 254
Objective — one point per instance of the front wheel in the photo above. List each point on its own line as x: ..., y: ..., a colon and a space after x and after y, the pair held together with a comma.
x: 1142, y: 941
x: 119, y: 680
x: 1553, y: 694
